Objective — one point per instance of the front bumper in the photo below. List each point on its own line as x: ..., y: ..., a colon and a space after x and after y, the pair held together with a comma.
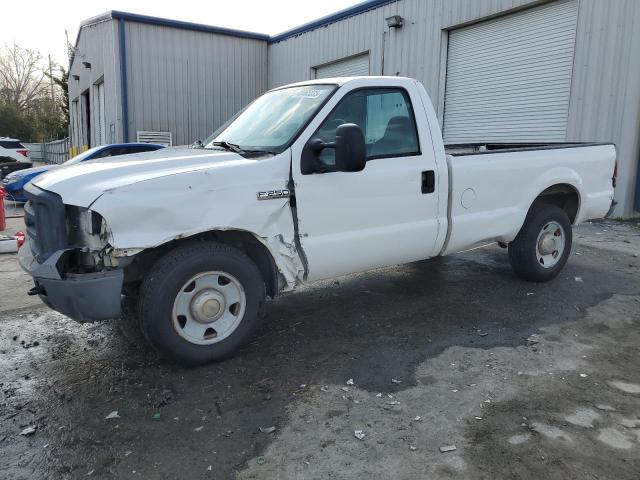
x: 84, y: 297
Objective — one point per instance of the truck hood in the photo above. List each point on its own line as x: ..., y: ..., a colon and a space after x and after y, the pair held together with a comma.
x: 83, y: 183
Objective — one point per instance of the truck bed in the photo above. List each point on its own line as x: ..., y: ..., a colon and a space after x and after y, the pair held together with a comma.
x: 492, y: 187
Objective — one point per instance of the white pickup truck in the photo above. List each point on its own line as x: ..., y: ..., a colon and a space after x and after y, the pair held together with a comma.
x: 310, y: 181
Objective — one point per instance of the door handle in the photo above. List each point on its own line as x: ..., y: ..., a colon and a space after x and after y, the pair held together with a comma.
x: 428, y: 181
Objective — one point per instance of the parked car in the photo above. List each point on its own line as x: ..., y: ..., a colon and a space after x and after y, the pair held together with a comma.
x: 13, y: 156
x: 311, y: 181
x: 15, y: 182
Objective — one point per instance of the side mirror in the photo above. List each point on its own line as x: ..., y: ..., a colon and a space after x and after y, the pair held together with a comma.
x: 351, y: 151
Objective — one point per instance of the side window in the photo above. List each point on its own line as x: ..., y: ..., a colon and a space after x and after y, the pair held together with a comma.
x: 386, y: 118
x: 107, y: 152
x: 138, y: 149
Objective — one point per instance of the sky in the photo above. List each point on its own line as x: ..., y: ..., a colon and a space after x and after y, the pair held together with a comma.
x: 40, y: 24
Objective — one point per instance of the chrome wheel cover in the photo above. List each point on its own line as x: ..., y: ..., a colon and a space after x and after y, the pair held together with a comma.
x: 550, y: 244
x: 209, y: 307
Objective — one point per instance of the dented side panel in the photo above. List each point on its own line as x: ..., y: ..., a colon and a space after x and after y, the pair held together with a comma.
x: 151, y: 212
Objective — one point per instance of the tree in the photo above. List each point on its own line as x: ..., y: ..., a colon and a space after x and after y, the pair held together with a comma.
x: 16, y: 124
x: 29, y: 109
x: 63, y: 84
x: 21, y: 77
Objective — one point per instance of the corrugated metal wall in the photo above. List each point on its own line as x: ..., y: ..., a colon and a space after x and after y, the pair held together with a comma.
x: 605, y: 94
x: 189, y: 82
x: 98, y: 46
x: 349, y: 67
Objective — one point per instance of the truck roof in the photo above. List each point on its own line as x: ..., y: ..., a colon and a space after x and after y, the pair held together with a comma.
x: 340, y: 80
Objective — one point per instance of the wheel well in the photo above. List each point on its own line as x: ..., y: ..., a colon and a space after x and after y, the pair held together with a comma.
x: 564, y: 196
x: 242, y: 240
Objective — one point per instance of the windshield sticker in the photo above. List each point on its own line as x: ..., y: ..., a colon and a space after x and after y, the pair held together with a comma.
x: 309, y: 94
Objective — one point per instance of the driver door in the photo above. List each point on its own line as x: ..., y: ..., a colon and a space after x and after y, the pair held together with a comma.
x: 383, y: 215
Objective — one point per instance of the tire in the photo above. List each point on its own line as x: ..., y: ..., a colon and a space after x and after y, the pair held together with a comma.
x: 546, y: 230
x: 200, y: 302
x: 129, y: 325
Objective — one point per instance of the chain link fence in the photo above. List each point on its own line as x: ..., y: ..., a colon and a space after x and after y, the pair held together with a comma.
x: 55, y: 152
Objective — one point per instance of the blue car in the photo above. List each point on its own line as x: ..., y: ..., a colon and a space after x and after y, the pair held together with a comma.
x: 15, y: 182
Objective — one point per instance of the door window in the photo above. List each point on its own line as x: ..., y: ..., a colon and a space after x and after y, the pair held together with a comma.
x: 107, y: 152
x: 386, y: 118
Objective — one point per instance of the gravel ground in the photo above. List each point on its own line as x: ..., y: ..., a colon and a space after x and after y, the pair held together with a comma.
x: 525, y: 380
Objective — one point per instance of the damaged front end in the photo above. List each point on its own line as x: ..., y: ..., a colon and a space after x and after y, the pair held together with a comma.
x: 67, y: 254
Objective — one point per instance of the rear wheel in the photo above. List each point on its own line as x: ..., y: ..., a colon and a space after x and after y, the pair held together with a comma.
x: 200, y: 302
x: 543, y: 245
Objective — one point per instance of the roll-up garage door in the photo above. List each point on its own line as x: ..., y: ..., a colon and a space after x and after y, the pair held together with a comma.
x: 348, y: 67
x: 509, y: 79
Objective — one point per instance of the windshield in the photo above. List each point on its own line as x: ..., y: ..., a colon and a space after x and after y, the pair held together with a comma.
x: 273, y: 120
x: 82, y: 156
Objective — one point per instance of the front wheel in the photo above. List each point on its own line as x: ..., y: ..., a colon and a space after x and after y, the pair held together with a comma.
x: 200, y: 302
x: 543, y: 245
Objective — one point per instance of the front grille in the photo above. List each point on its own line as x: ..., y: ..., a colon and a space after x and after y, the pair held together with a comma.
x: 45, y: 222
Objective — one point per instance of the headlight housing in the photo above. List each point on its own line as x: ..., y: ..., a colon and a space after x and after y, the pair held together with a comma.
x: 85, y: 228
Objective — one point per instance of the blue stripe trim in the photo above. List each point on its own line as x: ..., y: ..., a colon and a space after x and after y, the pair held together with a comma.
x: 123, y: 81
x: 329, y: 19
x: 198, y: 27
x: 165, y: 22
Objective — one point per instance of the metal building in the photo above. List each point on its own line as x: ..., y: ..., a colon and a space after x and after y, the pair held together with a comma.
x: 496, y: 70
x: 134, y: 77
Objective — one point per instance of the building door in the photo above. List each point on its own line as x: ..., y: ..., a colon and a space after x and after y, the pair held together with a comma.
x: 347, y: 67
x: 101, y: 127
x: 86, y: 118
x: 509, y: 79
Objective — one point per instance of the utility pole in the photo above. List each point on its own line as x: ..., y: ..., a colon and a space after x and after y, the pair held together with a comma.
x: 53, y: 98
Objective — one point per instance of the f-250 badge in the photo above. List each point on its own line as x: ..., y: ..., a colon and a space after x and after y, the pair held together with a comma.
x: 273, y: 194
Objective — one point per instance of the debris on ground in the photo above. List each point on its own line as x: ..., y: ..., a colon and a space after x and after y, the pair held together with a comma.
x: 447, y: 448
x: 324, y: 388
x: 350, y: 381
x: 583, y: 375
x: 378, y: 395
x: 413, y: 448
x: 28, y: 431
x: 261, y: 461
x: 165, y: 398
x: 267, y: 430
x: 417, y: 418
x: 156, y: 415
x: 344, y: 389
x: 198, y: 429
x: 578, y: 279
x: 397, y: 382
x: 606, y: 408
x: 359, y: 434
x: 113, y: 414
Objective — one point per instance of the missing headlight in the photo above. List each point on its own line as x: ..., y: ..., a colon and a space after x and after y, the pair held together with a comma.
x: 85, y: 228
x: 96, y: 223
